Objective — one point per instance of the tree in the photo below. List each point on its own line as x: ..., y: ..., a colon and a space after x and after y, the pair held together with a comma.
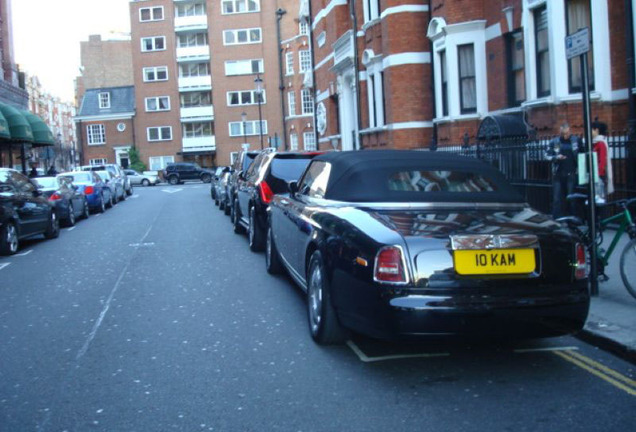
x: 135, y: 160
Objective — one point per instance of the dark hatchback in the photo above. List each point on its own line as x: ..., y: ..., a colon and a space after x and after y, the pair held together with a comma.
x: 267, y: 176
x: 239, y: 167
x: 179, y: 172
x: 403, y: 244
x: 24, y: 211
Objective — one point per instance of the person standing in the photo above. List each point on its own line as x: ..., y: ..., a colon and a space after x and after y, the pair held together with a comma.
x: 562, y: 152
x: 605, y: 185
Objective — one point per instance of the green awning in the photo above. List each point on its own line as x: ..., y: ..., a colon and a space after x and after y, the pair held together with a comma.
x: 42, y: 135
x: 19, y: 127
x: 4, y: 128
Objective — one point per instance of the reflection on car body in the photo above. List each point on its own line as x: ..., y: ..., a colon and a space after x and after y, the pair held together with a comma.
x: 382, y: 252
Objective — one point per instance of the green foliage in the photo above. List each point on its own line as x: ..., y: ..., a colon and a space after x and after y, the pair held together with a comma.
x: 135, y: 160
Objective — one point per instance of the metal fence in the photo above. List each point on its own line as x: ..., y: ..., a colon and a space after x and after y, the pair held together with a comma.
x: 524, y: 164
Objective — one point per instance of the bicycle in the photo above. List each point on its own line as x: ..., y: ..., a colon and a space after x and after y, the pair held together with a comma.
x: 625, y: 225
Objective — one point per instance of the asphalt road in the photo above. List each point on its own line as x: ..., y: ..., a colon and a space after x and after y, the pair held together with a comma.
x: 155, y: 316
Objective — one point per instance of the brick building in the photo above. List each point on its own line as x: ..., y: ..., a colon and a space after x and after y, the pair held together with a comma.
x: 196, y: 65
x: 409, y: 73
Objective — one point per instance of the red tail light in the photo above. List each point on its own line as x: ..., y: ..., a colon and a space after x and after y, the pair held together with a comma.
x: 266, y: 192
x: 389, y: 266
x: 89, y: 190
x: 580, y: 270
x: 55, y: 197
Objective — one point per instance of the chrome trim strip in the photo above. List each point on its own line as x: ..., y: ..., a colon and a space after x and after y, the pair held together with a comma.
x: 493, y: 241
x: 293, y: 273
x: 419, y: 206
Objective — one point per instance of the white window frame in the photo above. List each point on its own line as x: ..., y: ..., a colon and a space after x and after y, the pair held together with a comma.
x: 197, y: 130
x: 98, y: 161
x: 309, y: 141
x: 155, y: 71
x: 253, y: 97
x: 252, y: 127
x: 248, y: 31
x: 239, y: 67
x: 157, y: 100
x: 197, y: 66
x: 199, y: 39
x: 293, y: 141
x: 180, y: 8
x: 160, y: 133
x: 306, y: 102
x: 234, y: 8
x: 95, y: 134
x: 103, y: 100
x: 304, y: 60
x: 559, y: 82
x: 291, y: 102
x: 163, y: 162
x: 289, y: 63
x: 303, y: 27
x: 375, y: 93
x: 152, y: 10
x: 154, y: 43
x: 371, y: 10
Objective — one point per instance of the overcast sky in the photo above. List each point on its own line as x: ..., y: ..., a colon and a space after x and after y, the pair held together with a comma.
x: 47, y: 36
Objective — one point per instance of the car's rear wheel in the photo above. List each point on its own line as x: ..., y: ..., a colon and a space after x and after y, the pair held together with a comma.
x: 70, y: 220
x: 123, y: 195
x: 9, y: 242
x: 272, y: 259
x: 323, y: 322
x: 236, y: 220
x: 53, y: 228
x: 255, y: 233
x: 173, y: 180
x: 87, y: 210
x: 145, y: 182
x: 206, y: 178
x: 111, y: 201
x: 130, y: 190
x: 102, y: 204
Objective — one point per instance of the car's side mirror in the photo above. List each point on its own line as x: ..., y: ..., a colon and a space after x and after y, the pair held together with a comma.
x: 292, y: 186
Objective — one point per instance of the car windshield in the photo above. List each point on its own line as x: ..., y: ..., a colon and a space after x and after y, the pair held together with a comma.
x: 79, y: 177
x: 288, y: 169
x: 105, y: 175
x: 47, y: 182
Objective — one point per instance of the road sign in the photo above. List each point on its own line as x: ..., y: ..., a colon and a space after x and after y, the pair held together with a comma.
x: 577, y: 43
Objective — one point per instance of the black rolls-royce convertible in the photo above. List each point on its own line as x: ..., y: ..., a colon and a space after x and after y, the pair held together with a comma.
x: 402, y: 244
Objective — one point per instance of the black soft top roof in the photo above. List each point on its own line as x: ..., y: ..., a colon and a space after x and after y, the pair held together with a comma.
x: 363, y: 176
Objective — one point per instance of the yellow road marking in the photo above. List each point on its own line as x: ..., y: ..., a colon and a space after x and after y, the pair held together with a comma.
x: 603, y: 372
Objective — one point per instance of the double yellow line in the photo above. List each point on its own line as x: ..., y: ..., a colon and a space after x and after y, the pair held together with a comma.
x: 609, y: 375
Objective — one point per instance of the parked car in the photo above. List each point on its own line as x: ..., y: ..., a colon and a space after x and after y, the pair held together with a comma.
x: 91, y: 185
x: 240, y: 166
x: 397, y: 244
x: 179, y: 172
x: 24, y: 212
x: 116, y: 186
x: 144, y: 179
x: 215, y: 179
x: 222, y: 197
x: 70, y: 203
x: 116, y: 170
x: 268, y: 175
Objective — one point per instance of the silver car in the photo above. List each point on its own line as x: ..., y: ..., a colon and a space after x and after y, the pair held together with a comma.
x: 144, y: 179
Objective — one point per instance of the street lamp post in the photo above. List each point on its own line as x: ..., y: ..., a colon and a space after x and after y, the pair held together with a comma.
x: 259, y: 94
x: 244, y: 118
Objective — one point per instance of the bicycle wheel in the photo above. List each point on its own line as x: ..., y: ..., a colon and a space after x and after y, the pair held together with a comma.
x: 628, y: 267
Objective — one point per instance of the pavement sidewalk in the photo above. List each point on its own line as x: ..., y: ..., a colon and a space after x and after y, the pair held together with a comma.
x: 611, y: 323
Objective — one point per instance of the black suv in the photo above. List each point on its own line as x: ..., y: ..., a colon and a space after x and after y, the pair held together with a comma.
x: 268, y: 175
x: 176, y: 173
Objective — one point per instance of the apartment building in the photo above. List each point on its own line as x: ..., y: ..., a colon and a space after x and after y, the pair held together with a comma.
x: 420, y: 73
x: 207, y: 78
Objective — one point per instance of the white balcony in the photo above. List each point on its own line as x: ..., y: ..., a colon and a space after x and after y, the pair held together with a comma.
x: 201, y: 113
x: 199, y: 144
x: 195, y: 83
x: 201, y: 52
x: 188, y: 23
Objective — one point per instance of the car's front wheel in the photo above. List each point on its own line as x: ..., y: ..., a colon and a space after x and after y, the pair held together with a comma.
x: 145, y: 182
x: 87, y: 210
x: 9, y: 243
x: 323, y: 322
x: 70, y: 220
x: 272, y: 259
x: 255, y: 233
x: 173, y: 180
x: 53, y: 228
x: 130, y: 190
x: 236, y: 220
x: 206, y: 178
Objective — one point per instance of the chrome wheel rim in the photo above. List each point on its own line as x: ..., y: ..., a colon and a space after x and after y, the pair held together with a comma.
x: 54, y: 223
x: 315, y: 299
x: 12, y: 238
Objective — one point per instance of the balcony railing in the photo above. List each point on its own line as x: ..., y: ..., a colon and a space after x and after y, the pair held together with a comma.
x: 195, y: 83
x: 200, y: 113
x: 198, y: 144
x: 201, y: 52
x: 187, y: 23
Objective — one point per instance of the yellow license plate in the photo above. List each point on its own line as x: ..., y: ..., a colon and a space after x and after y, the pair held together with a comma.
x: 496, y: 261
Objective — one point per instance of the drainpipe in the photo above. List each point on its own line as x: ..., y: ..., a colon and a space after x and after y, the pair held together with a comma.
x: 281, y: 86
x: 80, y: 141
x: 433, y: 145
x: 310, y: 24
x: 356, y: 68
